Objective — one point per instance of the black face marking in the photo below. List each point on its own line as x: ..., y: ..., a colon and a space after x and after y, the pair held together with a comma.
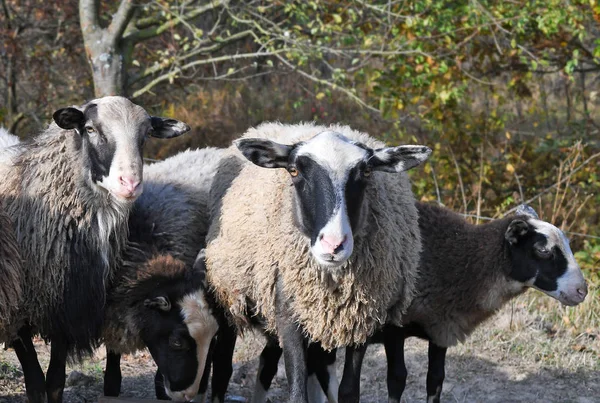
x: 101, y: 150
x: 315, y: 196
x: 528, y: 262
x: 355, y: 193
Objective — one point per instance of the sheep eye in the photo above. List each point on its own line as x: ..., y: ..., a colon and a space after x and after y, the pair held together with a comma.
x: 175, y: 343
x: 367, y: 172
x: 90, y: 130
x: 543, y: 252
x: 293, y: 172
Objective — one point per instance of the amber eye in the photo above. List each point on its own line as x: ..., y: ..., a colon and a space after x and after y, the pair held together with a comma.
x: 90, y: 130
x: 293, y: 172
x: 367, y: 172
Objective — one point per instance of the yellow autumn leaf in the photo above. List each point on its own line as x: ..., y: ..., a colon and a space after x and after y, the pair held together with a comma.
x: 510, y: 168
x: 320, y: 95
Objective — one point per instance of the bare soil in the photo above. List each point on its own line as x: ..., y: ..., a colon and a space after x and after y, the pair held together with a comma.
x: 516, y: 357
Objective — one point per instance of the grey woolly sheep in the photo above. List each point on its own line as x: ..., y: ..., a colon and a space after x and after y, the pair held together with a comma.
x: 68, y: 193
x: 314, y: 250
x: 159, y: 296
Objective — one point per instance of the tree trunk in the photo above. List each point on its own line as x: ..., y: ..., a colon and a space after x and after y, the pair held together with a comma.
x: 108, y: 65
x: 107, y: 51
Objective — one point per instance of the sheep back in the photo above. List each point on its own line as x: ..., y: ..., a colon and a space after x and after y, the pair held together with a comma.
x: 253, y: 243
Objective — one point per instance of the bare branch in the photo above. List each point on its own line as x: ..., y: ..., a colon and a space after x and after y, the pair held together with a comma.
x: 178, y: 70
x: 88, y: 16
x: 121, y: 19
x: 143, y: 34
x: 331, y: 85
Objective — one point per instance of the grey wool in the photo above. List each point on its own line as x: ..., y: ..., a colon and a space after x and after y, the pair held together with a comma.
x: 64, y: 231
x: 167, y: 228
x: 253, y: 243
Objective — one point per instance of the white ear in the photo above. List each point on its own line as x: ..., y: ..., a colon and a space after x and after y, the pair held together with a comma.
x: 526, y: 210
x: 398, y: 159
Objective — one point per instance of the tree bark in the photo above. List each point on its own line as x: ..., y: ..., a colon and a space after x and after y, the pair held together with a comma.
x: 106, y: 50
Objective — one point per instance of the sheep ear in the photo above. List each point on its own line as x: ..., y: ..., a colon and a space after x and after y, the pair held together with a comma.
x: 160, y: 303
x: 264, y: 153
x: 527, y: 210
x: 516, y: 230
x: 69, y: 118
x: 398, y: 159
x: 165, y: 128
x: 200, y: 267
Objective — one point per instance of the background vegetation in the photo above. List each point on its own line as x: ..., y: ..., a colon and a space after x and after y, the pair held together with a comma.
x: 506, y: 92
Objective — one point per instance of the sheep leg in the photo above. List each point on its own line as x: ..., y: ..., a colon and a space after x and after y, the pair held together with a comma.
x: 435, y: 372
x: 350, y: 386
x: 393, y: 339
x: 56, y: 374
x: 321, y: 364
x: 112, y: 374
x: 222, y: 364
x: 267, y: 368
x: 35, y: 383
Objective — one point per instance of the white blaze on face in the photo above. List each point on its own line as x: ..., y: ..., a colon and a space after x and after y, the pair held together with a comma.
x: 202, y: 326
x: 335, y: 156
x: 123, y: 125
x: 571, y: 286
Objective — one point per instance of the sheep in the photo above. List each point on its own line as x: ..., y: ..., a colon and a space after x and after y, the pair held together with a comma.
x: 8, y: 145
x: 68, y: 193
x: 307, y: 249
x: 159, y: 299
x: 468, y: 272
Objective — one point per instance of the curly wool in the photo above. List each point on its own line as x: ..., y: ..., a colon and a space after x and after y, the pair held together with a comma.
x: 69, y: 238
x: 253, y: 243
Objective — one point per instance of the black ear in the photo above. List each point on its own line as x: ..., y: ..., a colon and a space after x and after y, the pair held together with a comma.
x: 398, y: 159
x: 165, y: 128
x: 200, y: 267
x: 69, y: 118
x: 264, y: 153
x: 516, y: 230
x: 161, y: 303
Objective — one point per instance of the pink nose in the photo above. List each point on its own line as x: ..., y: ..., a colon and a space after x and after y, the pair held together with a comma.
x: 332, y: 244
x: 129, y: 183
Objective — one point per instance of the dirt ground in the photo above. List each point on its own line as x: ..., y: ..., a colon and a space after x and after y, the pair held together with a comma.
x: 516, y: 357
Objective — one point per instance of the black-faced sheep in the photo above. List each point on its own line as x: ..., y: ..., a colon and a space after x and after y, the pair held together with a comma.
x: 307, y: 248
x: 68, y: 192
x: 467, y: 273
x: 159, y: 299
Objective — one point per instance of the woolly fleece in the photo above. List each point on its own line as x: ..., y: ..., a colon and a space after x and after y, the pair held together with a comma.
x: 253, y: 243
x: 167, y: 229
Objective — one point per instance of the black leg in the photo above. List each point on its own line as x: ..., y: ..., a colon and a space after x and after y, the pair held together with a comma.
x: 322, y: 364
x: 350, y: 386
x: 393, y: 339
x: 112, y: 374
x: 35, y: 383
x: 267, y: 369
x: 435, y: 372
x: 56, y: 374
x: 159, y: 387
x: 222, y: 362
